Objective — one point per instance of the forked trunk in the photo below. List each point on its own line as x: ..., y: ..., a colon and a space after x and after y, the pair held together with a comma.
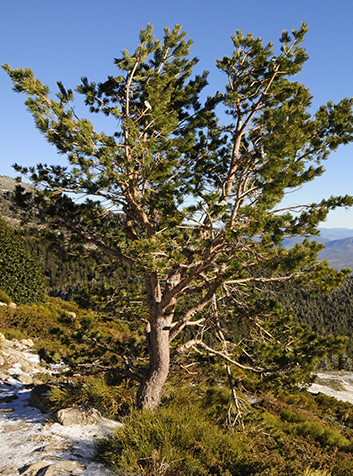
x: 150, y: 392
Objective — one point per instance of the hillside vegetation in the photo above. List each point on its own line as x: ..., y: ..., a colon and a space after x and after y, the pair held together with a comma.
x: 205, y: 427
x: 80, y: 274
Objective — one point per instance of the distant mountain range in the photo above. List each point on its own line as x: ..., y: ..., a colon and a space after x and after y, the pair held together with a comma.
x: 338, y: 249
x: 338, y: 241
x: 339, y: 253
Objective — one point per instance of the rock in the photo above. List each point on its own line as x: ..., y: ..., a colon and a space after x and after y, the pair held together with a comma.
x: 34, y: 468
x: 7, y: 470
x: 3, y: 376
x: 80, y: 415
x: 27, y: 342
x: 12, y: 305
x: 43, y: 468
x: 17, y: 358
x: 55, y: 447
x: 10, y: 428
x: 254, y: 400
x: 39, y: 398
x: 63, y: 467
x: 25, y: 379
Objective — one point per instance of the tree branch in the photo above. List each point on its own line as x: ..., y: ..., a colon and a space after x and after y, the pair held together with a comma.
x: 100, y: 244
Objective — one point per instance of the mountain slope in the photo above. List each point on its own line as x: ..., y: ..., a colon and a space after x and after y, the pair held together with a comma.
x: 338, y: 243
x: 339, y: 253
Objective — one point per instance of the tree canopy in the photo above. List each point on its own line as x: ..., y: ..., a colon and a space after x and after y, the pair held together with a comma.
x: 200, y: 197
x: 20, y: 274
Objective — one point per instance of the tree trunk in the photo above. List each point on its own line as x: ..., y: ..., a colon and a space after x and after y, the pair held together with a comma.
x: 150, y: 392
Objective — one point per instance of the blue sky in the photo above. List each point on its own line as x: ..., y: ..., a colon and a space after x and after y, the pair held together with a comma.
x: 63, y: 41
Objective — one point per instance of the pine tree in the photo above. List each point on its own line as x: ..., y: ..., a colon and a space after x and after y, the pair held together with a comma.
x: 20, y: 274
x: 201, y: 198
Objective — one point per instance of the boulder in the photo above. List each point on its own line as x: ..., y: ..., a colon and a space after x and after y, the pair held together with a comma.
x: 34, y: 468
x: 27, y: 342
x: 42, y: 468
x: 62, y: 467
x: 80, y: 415
x: 39, y: 398
x: 8, y: 470
x: 25, y: 379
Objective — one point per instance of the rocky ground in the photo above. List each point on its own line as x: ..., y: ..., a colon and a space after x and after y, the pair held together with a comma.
x: 33, y: 443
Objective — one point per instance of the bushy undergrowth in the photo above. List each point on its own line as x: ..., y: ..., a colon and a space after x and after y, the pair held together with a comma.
x: 288, y: 434
x: 4, y: 297
x: 179, y: 439
x: 63, y: 331
x: 112, y: 400
x: 187, y: 437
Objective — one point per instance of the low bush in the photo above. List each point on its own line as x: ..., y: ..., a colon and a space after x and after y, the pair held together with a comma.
x: 188, y: 435
x: 5, y: 297
x: 111, y: 400
x: 316, y: 472
x: 63, y: 331
x: 178, y: 440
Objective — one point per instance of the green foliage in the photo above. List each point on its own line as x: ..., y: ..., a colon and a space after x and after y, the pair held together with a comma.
x: 20, y: 275
x: 179, y: 438
x: 62, y: 331
x: 325, y: 314
x: 274, y: 351
x: 316, y: 431
x: 316, y: 472
x: 5, y: 297
x: 13, y: 334
x: 288, y: 436
x: 112, y: 400
x: 323, y: 435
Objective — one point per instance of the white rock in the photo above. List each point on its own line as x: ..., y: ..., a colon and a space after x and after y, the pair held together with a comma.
x: 27, y: 342
x: 78, y: 416
x: 25, y: 379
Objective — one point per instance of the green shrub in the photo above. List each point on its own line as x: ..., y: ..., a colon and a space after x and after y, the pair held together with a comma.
x: 175, y: 440
x: 188, y: 436
x: 112, y: 400
x: 36, y: 320
x: 292, y: 417
x: 316, y: 472
x: 20, y: 275
x: 5, y: 297
x: 14, y: 334
x: 322, y: 434
x: 63, y: 331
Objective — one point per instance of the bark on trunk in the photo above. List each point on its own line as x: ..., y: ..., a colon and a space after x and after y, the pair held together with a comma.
x: 150, y: 392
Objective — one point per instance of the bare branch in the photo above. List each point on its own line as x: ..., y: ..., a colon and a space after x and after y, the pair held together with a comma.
x: 200, y: 343
x: 182, y: 323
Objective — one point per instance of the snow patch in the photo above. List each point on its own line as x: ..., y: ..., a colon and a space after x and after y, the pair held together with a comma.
x: 26, y: 436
